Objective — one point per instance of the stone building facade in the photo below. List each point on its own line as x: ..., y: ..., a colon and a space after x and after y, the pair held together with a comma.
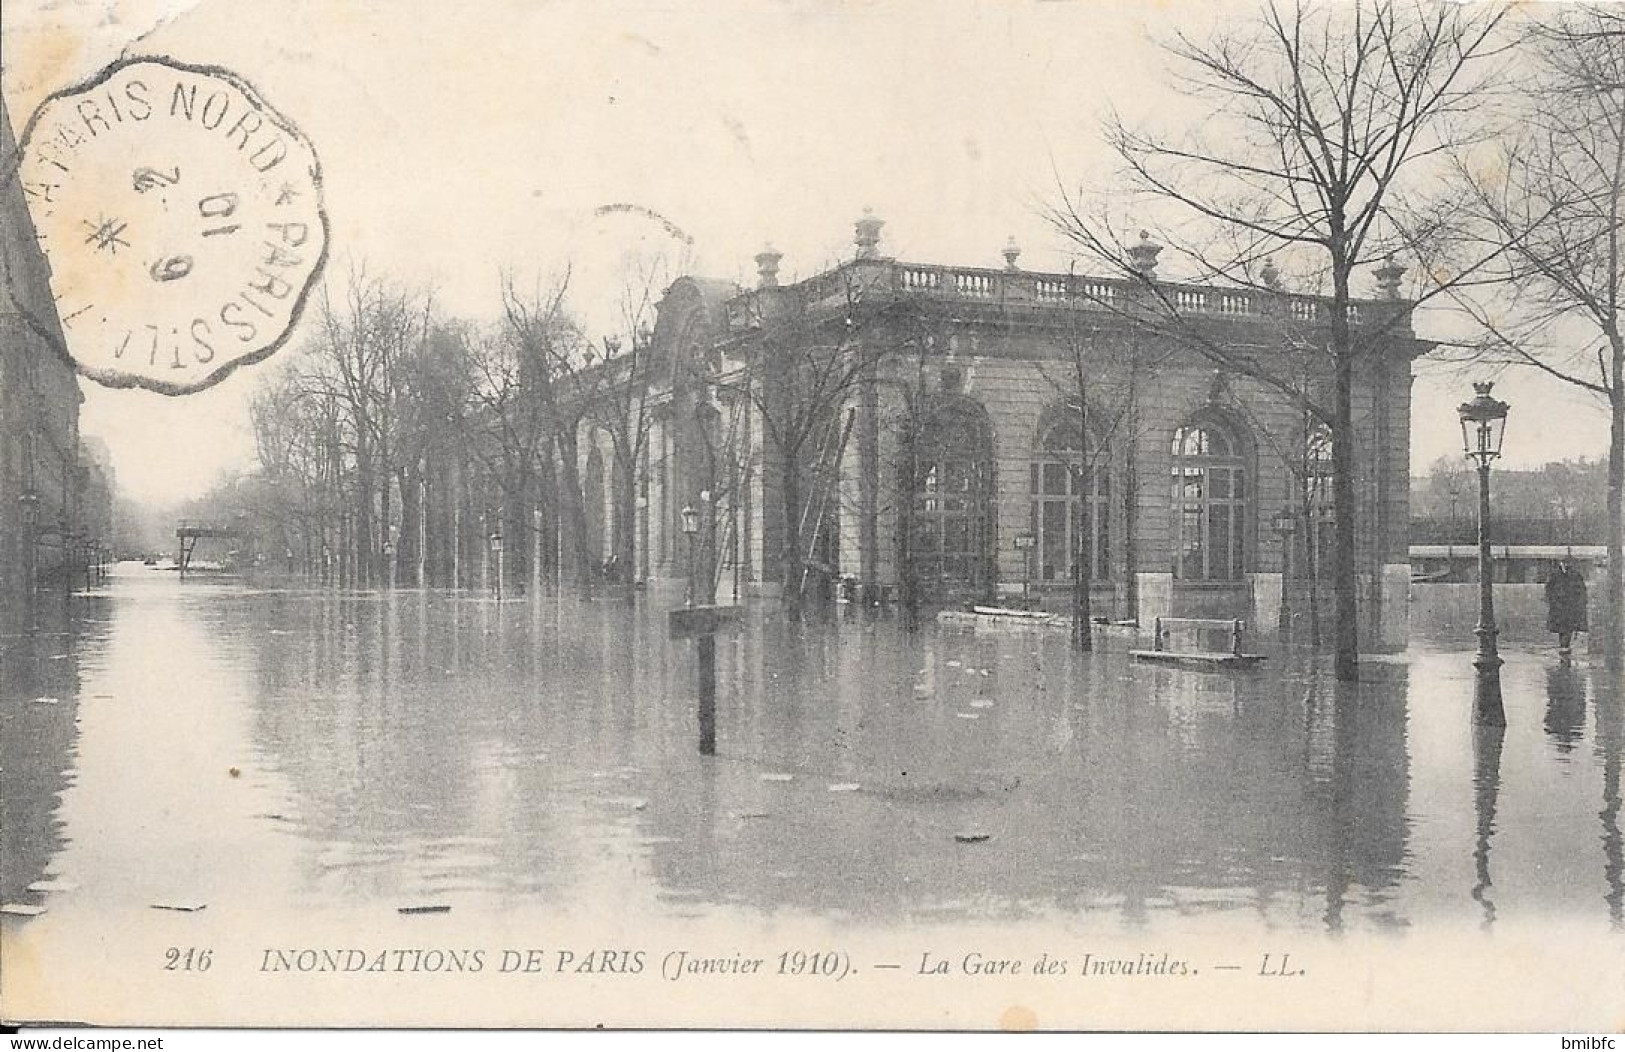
x: 53, y: 497
x: 959, y: 434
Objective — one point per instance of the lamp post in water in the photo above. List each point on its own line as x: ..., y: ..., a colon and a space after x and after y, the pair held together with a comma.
x: 1483, y: 425
x: 496, y: 549
x: 691, y: 527
x: 700, y: 623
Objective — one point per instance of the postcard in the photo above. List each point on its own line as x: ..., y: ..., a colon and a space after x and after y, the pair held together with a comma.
x: 1097, y: 515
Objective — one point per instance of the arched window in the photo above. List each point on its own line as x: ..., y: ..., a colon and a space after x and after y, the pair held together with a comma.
x: 1071, y: 496
x: 1209, y: 503
x: 952, y: 495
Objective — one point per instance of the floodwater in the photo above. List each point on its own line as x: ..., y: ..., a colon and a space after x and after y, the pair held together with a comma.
x: 288, y: 754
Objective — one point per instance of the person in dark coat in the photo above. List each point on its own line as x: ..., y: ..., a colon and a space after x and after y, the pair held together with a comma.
x: 1565, y: 604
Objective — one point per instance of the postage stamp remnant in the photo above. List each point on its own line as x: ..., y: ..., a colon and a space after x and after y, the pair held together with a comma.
x: 182, y: 220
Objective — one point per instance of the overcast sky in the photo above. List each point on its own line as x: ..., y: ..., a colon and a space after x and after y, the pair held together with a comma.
x: 461, y: 138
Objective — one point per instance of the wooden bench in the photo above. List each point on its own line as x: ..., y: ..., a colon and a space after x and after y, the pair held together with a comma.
x: 1234, y: 657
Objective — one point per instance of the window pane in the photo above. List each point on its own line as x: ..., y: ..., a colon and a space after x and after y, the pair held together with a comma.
x: 1190, y: 538
x: 1055, y: 479
x: 1219, y: 539
x: 1055, y: 566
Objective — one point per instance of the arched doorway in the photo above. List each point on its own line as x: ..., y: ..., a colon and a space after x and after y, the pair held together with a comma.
x: 950, y: 531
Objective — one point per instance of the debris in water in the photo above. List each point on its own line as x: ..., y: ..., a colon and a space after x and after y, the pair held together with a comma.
x: 433, y: 908
x: 19, y: 909
x: 45, y: 887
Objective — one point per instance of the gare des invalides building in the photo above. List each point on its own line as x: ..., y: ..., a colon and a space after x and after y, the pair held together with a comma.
x: 934, y: 411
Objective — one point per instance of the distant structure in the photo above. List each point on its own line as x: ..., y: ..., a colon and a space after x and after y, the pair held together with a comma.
x: 946, y: 453
x: 55, y: 493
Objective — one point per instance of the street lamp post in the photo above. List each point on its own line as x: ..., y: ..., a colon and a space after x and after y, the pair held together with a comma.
x: 1285, y: 525
x: 1483, y: 425
x: 496, y: 548
x: 691, y: 527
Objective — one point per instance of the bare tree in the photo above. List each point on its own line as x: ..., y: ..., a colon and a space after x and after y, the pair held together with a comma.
x: 616, y: 391
x: 365, y: 334
x: 1553, y: 198
x: 524, y: 428
x: 1100, y: 379
x: 1312, y: 119
x: 808, y: 355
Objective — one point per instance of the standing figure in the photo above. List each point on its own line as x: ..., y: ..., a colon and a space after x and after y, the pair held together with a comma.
x: 1565, y: 604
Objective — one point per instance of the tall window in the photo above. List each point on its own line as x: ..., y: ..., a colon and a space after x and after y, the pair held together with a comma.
x: 1070, y: 502
x: 1209, y: 503
x: 951, y: 497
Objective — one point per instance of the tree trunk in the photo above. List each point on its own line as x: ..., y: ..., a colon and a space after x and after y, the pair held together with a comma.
x: 575, y: 513
x: 1614, y: 615
x: 406, y: 552
x: 790, y: 571
x: 625, y: 533
x: 1346, y: 665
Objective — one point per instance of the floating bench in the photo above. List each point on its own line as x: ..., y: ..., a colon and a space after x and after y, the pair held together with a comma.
x: 1234, y: 657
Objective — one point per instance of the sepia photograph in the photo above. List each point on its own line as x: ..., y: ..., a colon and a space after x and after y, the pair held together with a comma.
x: 1081, y: 515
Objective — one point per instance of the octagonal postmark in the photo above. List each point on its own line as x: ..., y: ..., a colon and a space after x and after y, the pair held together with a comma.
x: 182, y: 221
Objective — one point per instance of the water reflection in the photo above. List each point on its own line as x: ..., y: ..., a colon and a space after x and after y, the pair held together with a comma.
x: 1487, y: 739
x: 1565, y: 705
x: 427, y: 747
x: 39, y: 711
x: 1610, y: 742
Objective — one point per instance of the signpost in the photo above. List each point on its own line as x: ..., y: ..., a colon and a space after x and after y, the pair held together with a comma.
x: 700, y: 623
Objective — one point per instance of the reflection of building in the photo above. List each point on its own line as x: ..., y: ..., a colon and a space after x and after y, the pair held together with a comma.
x: 53, y: 499
x: 900, y: 421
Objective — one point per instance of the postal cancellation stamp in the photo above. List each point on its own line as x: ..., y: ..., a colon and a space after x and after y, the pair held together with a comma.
x: 182, y: 220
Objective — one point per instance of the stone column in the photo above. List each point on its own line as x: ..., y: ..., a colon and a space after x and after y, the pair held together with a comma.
x: 1156, y: 595
x: 1266, y: 605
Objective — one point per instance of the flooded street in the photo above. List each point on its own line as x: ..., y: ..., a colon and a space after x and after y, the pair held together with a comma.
x: 304, y: 761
